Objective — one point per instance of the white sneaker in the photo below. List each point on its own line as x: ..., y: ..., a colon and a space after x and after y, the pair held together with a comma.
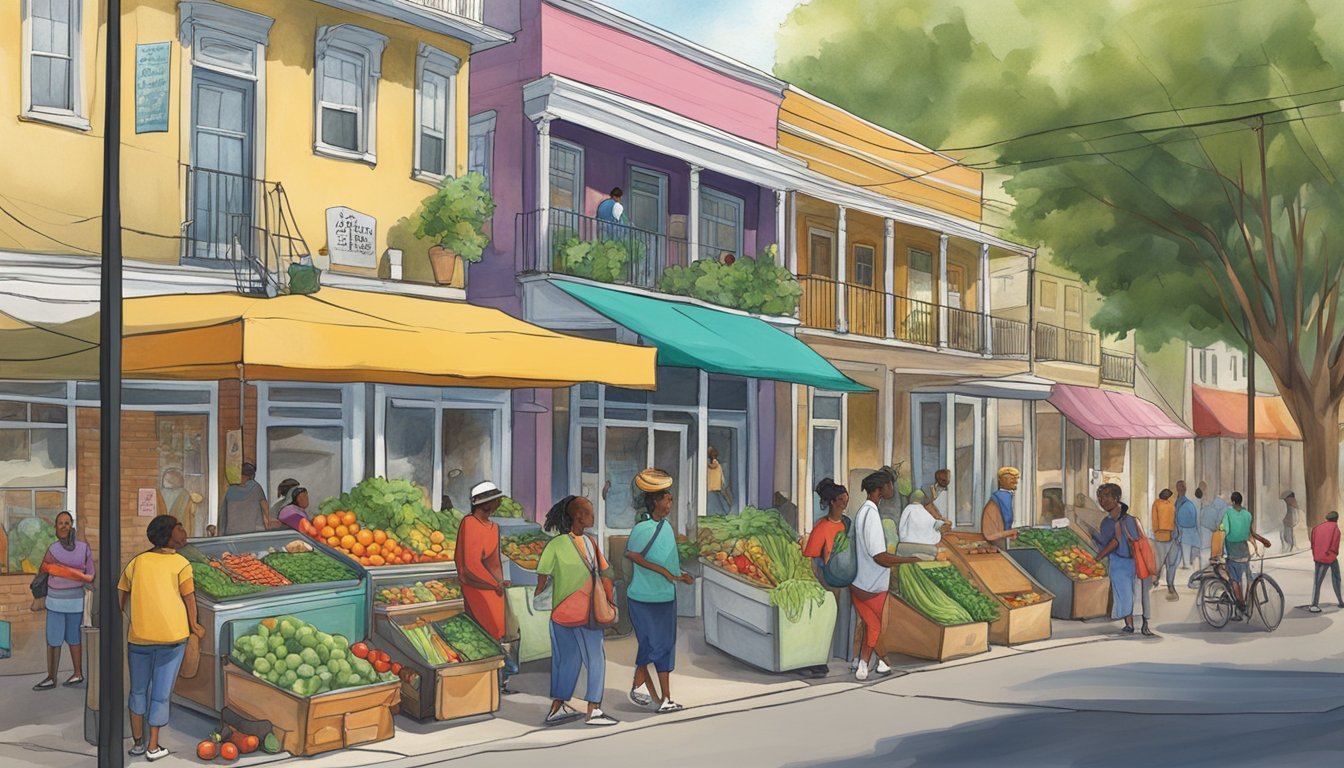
x: 641, y: 697
x: 882, y: 668
x: 155, y: 754
x: 1315, y: 609
x: 601, y: 718
x: 862, y: 672
x: 137, y: 750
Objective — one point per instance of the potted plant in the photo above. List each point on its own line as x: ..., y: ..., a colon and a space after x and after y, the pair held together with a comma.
x: 454, y: 218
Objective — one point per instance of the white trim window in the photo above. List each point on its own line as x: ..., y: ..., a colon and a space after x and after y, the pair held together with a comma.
x: 52, y: 81
x: 865, y: 260
x: 720, y: 223
x: 481, y: 145
x: 349, y: 64
x: 566, y: 176
x: 435, y: 112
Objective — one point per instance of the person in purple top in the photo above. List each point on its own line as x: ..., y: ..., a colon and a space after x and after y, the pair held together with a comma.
x: 65, y: 601
x: 297, y: 508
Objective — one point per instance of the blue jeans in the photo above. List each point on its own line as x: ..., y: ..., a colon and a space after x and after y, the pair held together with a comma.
x: 153, y: 672
x: 63, y: 628
x: 573, y: 648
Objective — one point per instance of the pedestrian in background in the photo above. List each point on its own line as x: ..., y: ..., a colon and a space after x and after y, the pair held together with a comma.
x: 244, y: 508
x: 1287, y: 536
x: 652, y: 597
x: 1210, y: 515
x: 1113, y: 541
x: 570, y: 563
x: 161, y: 591
x: 1239, y: 528
x: 283, y: 496
x: 1165, y: 540
x: 295, y: 509
x: 69, y: 568
x: 1325, y: 553
x: 1187, y: 525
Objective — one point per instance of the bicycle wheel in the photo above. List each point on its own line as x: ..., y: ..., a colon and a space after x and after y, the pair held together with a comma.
x: 1215, y: 603
x: 1268, y: 600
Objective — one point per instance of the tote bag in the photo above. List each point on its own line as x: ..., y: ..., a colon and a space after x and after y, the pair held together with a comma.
x: 593, y: 604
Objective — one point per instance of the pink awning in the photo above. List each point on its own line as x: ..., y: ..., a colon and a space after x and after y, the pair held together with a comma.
x: 1107, y: 415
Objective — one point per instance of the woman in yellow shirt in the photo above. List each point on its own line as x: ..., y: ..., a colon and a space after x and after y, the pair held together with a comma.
x: 162, y: 594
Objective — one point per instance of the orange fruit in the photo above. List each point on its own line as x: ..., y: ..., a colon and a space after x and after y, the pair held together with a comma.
x: 354, y: 527
x: 358, y: 550
x: 320, y: 522
x: 364, y: 561
x: 342, y: 531
x: 348, y: 541
x: 374, y: 549
x: 436, y: 537
x: 348, y: 518
x: 379, y: 537
x: 328, y: 532
x: 333, y: 541
x: 407, y: 557
x: 376, y: 560
x: 364, y: 537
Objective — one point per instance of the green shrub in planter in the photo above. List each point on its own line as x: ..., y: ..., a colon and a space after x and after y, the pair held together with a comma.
x: 605, y: 261
x: 455, y: 216
x: 757, y: 285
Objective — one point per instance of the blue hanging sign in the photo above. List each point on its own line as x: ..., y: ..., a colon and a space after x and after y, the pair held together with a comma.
x: 151, y: 87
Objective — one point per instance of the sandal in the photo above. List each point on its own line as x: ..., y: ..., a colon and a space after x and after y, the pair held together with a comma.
x: 45, y: 685
x: 1148, y: 632
x: 669, y: 706
x: 1128, y: 630
x: 564, y: 714
x: 74, y: 680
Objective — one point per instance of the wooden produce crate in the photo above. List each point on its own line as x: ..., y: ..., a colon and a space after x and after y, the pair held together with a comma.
x: 447, y: 692
x: 1000, y: 576
x: 906, y: 630
x: 1074, y: 599
x: 321, y: 723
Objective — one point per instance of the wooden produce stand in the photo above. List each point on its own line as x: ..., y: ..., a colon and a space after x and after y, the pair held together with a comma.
x: 445, y: 692
x: 1074, y: 598
x: 997, y: 575
x: 322, y: 723
x: 906, y: 630
x: 741, y: 622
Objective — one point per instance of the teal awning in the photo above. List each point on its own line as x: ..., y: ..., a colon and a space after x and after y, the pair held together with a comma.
x: 691, y: 336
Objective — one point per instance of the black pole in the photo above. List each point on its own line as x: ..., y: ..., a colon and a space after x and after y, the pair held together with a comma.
x: 111, y: 650
x: 1250, y: 428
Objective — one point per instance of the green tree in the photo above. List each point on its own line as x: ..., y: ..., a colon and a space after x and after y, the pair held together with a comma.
x: 1180, y: 157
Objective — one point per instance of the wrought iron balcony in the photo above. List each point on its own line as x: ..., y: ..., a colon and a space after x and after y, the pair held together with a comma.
x: 1057, y: 344
x: 568, y: 243
x: 1117, y: 368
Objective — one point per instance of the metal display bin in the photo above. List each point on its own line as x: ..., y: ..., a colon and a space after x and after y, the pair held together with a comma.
x: 446, y: 691
x: 338, y: 607
x: 395, y: 575
x: 741, y: 622
x: 513, y: 572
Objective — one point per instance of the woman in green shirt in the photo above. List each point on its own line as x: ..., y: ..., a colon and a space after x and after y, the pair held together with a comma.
x: 568, y: 564
x: 652, y: 597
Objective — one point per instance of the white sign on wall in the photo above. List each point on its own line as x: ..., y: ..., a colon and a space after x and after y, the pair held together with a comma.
x: 352, y: 238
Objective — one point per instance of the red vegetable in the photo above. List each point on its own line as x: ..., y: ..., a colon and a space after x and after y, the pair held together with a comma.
x: 381, y: 666
x: 361, y: 650
x: 228, y: 751
x: 207, y: 750
x: 396, y: 668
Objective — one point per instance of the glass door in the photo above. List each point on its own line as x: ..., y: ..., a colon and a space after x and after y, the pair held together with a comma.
x: 631, y: 447
x: 221, y: 157
x: 647, y: 211
x: 727, y: 438
x: 967, y: 461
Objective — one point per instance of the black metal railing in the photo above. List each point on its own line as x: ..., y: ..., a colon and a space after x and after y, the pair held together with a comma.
x: 1009, y: 337
x: 1117, y: 368
x: 244, y: 223
x: 1054, y: 343
x: 569, y: 243
x: 965, y: 329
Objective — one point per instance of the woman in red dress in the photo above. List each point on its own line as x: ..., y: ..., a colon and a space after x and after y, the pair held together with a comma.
x: 480, y: 571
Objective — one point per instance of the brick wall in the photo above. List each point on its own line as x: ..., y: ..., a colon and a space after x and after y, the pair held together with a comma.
x: 228, y: 420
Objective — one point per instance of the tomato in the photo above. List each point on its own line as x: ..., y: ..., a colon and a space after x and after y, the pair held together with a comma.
x: 361, y: 650
x: 228, y: 751
x: 381, y: 666
x: 207, y: 750
x: 396, y: 668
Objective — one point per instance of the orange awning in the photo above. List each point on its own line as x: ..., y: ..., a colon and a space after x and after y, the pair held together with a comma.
x: 1219, y: 413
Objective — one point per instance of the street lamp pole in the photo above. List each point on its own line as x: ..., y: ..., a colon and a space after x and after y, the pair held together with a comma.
x: 111, y: 649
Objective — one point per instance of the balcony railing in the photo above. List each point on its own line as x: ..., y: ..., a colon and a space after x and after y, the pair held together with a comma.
x: 244, y: 223
x: 870, y: 312
x: 1063, y: 345
x: 552, y: 241
x: 1117, y: 368
x: 1010, y: 337
x: 473, y: 10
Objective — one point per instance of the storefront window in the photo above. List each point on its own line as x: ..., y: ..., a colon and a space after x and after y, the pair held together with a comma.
x: 468, y: 453
x: 311, y: 455
x: 1077, y: 462
x: 1011, y: 433
x: 964, y: 469
x: 1113, y: 456
x: 410, y: 443
x: 184, y: 469
x: 33, y: 461
x: 627, y: 455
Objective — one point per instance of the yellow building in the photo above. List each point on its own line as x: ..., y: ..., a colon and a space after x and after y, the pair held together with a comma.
x: 242, y: 127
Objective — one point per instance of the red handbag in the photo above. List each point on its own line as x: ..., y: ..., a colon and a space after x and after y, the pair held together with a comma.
x: 588, y: 606
x: 1145, y: 557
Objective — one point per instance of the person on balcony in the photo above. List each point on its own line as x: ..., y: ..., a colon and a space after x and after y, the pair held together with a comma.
x: 611, y: 212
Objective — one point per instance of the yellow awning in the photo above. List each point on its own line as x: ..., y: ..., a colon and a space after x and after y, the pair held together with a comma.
x: 355, y: 336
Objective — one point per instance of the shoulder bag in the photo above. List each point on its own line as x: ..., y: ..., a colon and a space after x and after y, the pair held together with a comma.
x: 590, y: 605
x: 1141, y: 549
x: 842, y: 567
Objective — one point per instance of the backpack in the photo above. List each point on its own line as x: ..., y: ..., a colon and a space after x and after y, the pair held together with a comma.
x: 843, y: 567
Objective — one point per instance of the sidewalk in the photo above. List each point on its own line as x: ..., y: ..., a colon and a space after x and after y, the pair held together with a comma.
x: 707, y: 681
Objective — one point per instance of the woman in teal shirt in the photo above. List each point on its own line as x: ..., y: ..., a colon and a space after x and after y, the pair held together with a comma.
x: 652, y: 595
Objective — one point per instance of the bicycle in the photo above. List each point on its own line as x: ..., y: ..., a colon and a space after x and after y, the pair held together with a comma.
x: 1217, y: 601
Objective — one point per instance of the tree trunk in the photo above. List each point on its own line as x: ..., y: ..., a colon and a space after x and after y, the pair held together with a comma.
x: 1320, y: 464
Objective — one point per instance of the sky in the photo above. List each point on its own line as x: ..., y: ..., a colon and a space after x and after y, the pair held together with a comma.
x: 742, y: 29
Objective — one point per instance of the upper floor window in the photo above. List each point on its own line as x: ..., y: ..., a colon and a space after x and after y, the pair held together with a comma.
x: 720, y: 224
x: 821, y: 252
x: 52, y: 35
x: 865, y: 257
x: 1073, y: 300
x: 1049, y: 294
x: 349, y: 63
x: 435, y: 139
x: 566, y: 176
x: 481, y: 145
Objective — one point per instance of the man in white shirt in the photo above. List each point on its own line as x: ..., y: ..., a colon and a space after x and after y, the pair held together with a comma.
x: 873, y: 580
x: 918, y: 524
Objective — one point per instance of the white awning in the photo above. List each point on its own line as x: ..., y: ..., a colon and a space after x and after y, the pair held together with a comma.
x: 1019, y: 386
